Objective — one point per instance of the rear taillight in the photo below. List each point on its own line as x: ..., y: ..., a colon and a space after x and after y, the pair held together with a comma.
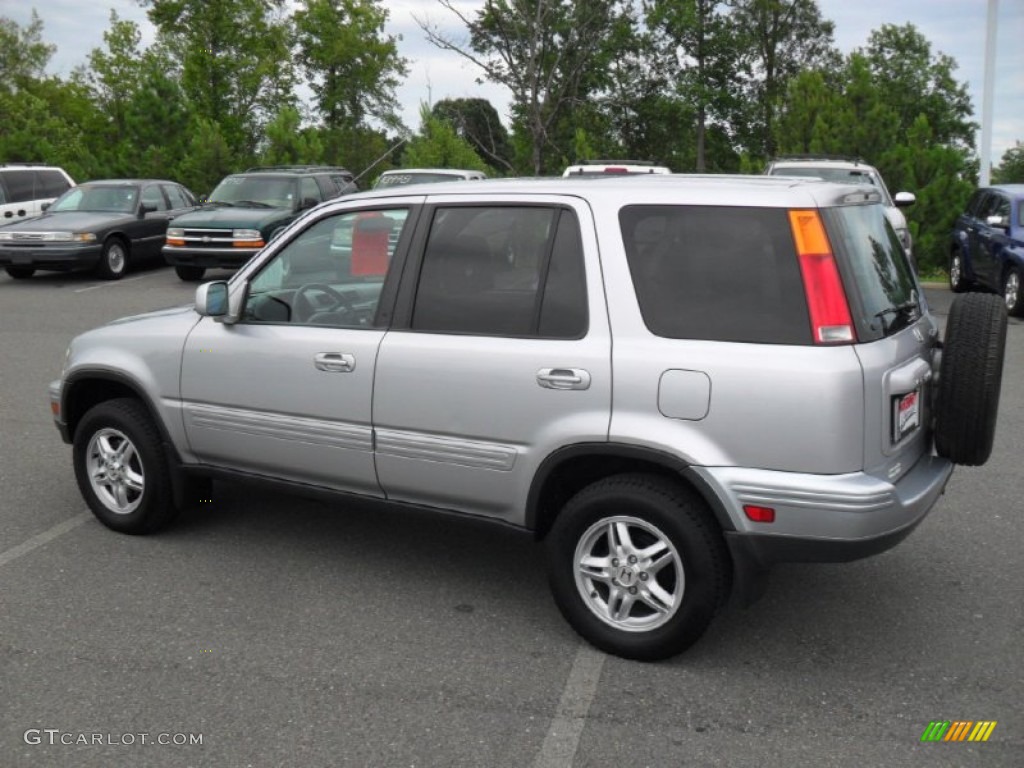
x: 831, y: 322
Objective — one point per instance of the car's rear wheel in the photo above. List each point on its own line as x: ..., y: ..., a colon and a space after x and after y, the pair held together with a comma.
x: 190, y: 274
x: 957, y: 281
x: 637, y: 566
x: 121, y: 467
x: 970, y: 379
x: 114, y: 259
x: 1012, y: 292
x: 20, y: 273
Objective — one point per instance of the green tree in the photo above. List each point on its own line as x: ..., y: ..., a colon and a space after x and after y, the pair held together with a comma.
x: 44, y: 118
x: 1011, y: 168
x: 236, y: 66
x: 476, y: 121
x: 141, y: 120
x: 353, y: 67
x: 208, y: 156
x: 550, y: 54
x: 696, y: 41
x: 288, y: 143
x: 913, y: 82
x: 783, y: 38
x: 438, y: 146
x: 942, y: 179
x: 23, y: 54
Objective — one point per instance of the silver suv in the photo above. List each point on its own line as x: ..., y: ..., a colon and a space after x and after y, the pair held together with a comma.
x: 673, y: 381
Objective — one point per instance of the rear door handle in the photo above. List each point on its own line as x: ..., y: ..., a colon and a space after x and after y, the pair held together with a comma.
x: 335, y: 362
x: 563, y: 378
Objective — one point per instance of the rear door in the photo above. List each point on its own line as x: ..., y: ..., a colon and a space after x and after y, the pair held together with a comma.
x: 499, y: 356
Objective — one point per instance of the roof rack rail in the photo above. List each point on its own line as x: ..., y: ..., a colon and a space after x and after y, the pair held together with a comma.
x: 258, y: 168
x: 613, y: 161
x: 821, y: 156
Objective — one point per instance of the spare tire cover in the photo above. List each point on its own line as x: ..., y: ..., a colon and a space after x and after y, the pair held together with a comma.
x: 970, y: 378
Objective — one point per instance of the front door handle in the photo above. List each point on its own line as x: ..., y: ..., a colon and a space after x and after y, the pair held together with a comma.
x: 563, y: 378
x: 335, y: 362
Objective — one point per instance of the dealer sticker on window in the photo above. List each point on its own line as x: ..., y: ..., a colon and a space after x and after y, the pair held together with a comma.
x: 906, y: 414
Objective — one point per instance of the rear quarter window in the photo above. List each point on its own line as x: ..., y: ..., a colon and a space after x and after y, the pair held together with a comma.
x: 716, y: 273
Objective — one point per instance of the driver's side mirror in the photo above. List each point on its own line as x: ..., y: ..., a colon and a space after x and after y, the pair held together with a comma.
x: 903, y: 199
x: 212, y: 299
x: 308, y: 202
x: 999, y: 222
x: 145, y: 208
x: 44, y: 206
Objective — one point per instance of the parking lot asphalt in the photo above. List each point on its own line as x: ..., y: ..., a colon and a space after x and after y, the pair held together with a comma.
x: 289, y: 632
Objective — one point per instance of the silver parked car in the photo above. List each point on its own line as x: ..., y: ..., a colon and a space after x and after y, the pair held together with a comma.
x: 674, y: 382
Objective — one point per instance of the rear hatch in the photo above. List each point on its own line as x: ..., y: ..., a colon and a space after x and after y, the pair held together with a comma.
x: 896, y: 337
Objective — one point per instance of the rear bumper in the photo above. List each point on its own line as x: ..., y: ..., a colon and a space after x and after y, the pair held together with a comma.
x: 64, y: 257
x: 225, y: 258
x: 825, y: 518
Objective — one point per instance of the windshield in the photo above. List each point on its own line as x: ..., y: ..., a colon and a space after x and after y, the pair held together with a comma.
x: 273, y: 191
x: 401, y: 179
x: 117, y: 199
x: 875, y: 262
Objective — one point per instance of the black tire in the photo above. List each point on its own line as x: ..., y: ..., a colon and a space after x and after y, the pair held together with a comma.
x: 957, y: 282
x: 123, y: 425
x: 652, y: 509
x: 1013, y: 291
x: 190, y: 274
x: 20, y: 273
x: 114, y: 259
x: 970, y: 378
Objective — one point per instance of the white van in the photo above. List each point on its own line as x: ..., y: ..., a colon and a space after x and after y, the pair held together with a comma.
x: 25, y: 188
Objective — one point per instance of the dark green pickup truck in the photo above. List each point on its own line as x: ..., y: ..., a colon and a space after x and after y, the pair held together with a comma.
x: 245, y: 211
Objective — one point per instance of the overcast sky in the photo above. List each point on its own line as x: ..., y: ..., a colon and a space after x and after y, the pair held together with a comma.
x: 954, y: 27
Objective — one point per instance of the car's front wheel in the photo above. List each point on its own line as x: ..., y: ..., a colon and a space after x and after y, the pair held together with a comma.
x: 20, y: 273
x: 121, y: 467
x: 957, y: 281
x: 1012, y: 292
x: 637, y: 566
x: 114, y: 259
x: 190, y: 274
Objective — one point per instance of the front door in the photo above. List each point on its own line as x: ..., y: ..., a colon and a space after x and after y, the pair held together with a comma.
x: 286, y: 391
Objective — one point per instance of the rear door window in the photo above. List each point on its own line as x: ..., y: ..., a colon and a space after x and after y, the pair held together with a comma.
x: 878, y: 279
x: 716, y: 273
x: 502, y: 271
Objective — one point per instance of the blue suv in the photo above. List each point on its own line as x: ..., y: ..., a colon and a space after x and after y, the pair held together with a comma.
x: 987, y: 251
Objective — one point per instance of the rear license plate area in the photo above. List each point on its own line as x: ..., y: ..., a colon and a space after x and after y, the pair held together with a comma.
x: 906, y: 414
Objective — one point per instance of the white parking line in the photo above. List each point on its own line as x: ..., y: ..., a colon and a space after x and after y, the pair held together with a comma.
x: 563, y: 737
x: 43, y: 538
x: 111, y: 282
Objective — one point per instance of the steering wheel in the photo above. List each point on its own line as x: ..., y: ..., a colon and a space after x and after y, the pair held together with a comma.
x: 304, y: 308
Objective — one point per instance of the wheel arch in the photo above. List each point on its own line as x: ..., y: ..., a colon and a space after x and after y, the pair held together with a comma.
x: 117, y: 234
x: 570, y: 469
x: 87, y: 388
